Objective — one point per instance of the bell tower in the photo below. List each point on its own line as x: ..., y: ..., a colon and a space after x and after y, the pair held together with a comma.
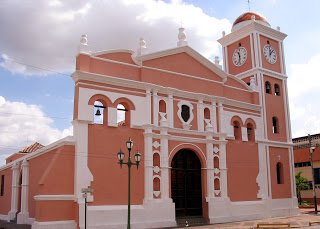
x: 253, y: 52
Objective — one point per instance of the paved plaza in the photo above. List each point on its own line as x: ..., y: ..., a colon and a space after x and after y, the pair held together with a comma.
x: 299, y: 221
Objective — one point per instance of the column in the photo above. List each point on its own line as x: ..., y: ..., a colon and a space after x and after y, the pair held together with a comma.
x: 148, y: 107
x: 213, y: 116
x: 164, y: 163
x: 155, y: 108
x: 148, y: 167
x: 223, y: 169
x: 170, y: 110
x: 15, y: 192
x: 200, y: 115
x: 220, y: 111
x: 23, y: 216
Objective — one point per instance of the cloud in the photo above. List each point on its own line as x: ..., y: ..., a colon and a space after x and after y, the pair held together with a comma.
x: 45, y: 34
x: 22, y: 124
x: 304, y: 86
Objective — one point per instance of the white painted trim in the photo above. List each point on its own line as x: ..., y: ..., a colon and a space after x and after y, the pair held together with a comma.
x: 246, y: 30
x: 185, y: 124
x: 4, y: 217
x: 99, y: 53
x: 63, y: 224
x: 54, y: 197
x: 188, y: 144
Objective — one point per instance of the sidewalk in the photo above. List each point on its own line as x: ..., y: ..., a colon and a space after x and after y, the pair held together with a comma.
x: 299, y: 221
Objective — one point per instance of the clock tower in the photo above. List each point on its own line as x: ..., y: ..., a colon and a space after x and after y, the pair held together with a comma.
x: 253, y: 52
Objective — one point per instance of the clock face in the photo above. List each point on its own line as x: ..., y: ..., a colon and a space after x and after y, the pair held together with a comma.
x: 239, y: 56
x: 270, y: 54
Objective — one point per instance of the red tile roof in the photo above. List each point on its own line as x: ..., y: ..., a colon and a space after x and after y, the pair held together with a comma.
x: 31, y: 148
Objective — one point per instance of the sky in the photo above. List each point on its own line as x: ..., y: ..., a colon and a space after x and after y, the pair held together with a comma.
x: 39, y: 41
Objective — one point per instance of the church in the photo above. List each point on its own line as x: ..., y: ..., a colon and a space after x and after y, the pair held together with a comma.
x: 214, y: 142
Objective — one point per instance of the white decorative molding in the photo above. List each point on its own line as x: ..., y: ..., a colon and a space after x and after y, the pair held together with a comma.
x: 185, y: 124
x: 208, y: 126
x: 216, y: 171
x: 54, y: 197
x: 23, y: 215
x: 217, y: 192
x: 215, y: 150
x: 63, y: 224
x: 156, y: 144
x: 156, y: 193
x: 163, y: 119
x: 156, y: 169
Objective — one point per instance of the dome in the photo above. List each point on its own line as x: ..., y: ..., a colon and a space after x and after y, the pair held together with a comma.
x: 245, y: 18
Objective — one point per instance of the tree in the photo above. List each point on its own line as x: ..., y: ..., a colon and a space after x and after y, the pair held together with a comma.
x: 301, y: 184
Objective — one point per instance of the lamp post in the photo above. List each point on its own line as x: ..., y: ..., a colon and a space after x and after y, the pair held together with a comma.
x: 129, y: 163
x: 311, y: 150
x: 85, y: 192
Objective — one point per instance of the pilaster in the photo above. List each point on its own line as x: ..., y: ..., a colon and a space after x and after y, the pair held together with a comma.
x: 148, y: 167
x: 23, y: 216
x: 223, y: 170
x: 170, y: 110
x: 155, y: 108
x: 200, y: 112
x: 164, y: 162
x: 15, y: 192
x: 210, y: 171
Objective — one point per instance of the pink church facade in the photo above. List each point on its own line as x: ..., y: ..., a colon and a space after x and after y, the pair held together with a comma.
x: 215, y: 143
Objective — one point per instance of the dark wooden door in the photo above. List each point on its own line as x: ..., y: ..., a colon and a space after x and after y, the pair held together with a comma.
x: 186, y: 183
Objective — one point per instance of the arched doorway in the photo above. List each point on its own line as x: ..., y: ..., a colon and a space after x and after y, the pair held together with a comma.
x: 186, y: 189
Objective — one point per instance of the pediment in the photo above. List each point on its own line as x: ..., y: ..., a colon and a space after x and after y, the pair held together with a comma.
x: 183, y: 60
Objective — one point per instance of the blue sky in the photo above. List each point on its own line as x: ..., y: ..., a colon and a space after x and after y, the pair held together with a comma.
x: 38, y: 44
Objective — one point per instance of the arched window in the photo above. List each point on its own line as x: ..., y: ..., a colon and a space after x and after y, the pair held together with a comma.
x: 268, y: 87
x: 207, y: 113
x: 162, y: 106
x: 250, y: 132
x: 275, y: 125
x: 279, y: 173
x: 98, y: 112
x: 276, y: 90
x: 121, y: 115
x: 237, y: 130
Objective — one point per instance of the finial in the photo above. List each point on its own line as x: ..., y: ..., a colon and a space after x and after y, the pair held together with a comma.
x: 142, y: 47
x: 83, y: 46
x: 216, y: 60
x: 223, y: 33
x: 249, y: 5
x: 182, y: 38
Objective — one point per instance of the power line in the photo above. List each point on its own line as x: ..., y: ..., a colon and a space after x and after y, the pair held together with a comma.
x: 40, y: 116
x: 33, y: 66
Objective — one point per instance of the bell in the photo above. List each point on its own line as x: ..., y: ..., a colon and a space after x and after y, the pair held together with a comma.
x: 98, y: 113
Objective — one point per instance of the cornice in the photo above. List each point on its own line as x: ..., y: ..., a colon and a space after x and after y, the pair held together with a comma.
x: 80, y: 75
x: 250, y: 28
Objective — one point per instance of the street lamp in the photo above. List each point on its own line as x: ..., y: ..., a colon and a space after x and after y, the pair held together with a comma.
x: 311, y: 150
x: 129, y: 163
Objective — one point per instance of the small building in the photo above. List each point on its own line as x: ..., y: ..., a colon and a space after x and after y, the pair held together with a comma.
x: 216, y: 144
x: 302, y: 163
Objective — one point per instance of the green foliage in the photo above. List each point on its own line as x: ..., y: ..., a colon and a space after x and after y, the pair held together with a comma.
x: 301, y: 184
